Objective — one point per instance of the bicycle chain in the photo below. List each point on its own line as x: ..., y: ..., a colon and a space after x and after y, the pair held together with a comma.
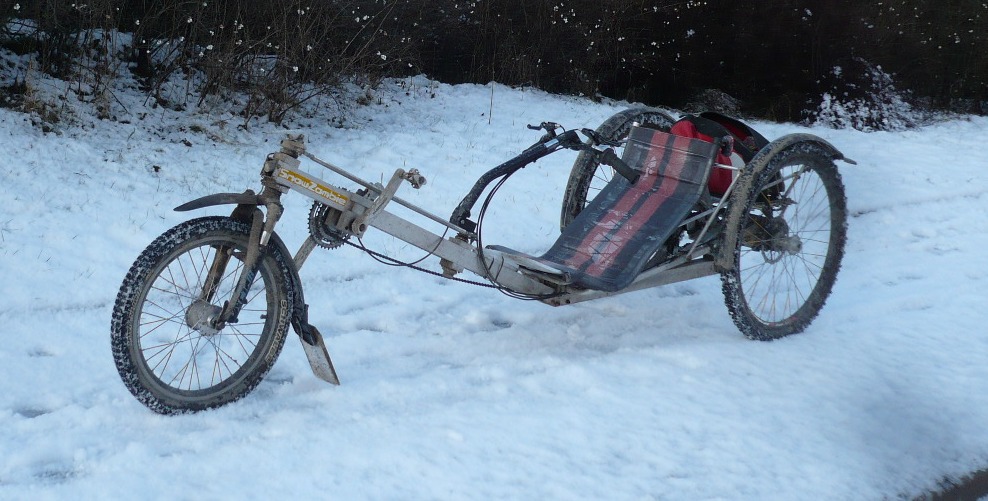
x: 331, y: 238
x: 417, y: 268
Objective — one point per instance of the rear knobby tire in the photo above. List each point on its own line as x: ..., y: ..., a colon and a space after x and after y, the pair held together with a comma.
x: 173, y: 367
x: 588, y: 177
x: 781, y: 279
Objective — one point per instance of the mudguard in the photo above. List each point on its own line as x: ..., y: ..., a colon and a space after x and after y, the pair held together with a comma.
x: 246, y: 198
x: 783, y: 142
x: 724, y: 260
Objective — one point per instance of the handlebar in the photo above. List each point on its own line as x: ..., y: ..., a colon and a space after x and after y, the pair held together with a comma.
x: 551, y: 142
x: 607, y: 156
x: 599, y: 139
x: 596, y: 139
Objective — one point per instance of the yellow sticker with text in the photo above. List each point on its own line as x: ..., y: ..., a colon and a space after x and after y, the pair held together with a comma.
x: 301, y: 180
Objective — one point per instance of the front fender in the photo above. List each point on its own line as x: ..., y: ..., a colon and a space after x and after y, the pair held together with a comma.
x: 246, y: 198
x: 299, y: 313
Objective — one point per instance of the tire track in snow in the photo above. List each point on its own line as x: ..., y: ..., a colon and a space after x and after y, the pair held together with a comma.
x: 973, y: 195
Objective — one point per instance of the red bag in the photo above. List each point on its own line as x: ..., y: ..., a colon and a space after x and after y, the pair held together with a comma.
x: 710, y: 125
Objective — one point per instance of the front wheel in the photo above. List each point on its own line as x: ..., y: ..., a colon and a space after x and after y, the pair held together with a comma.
x: 168, y: 349
x: 788, y: 230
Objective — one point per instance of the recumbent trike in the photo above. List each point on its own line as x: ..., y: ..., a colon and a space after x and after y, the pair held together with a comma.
x: 203, y: 313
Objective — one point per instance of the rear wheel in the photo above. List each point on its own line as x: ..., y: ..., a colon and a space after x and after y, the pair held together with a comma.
x: 588, y: 177
x: 168, y: 350
x: 791, y: 226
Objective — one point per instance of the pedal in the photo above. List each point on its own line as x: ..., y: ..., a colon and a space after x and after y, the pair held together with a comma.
x: 315, y: 351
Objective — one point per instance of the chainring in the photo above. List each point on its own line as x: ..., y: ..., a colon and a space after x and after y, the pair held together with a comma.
x: 325, y: 236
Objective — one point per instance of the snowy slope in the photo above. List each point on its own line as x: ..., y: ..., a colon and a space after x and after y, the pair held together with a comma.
x: 456, y: 392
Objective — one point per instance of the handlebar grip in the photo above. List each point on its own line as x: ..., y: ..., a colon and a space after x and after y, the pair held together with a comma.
x: 607, y: 157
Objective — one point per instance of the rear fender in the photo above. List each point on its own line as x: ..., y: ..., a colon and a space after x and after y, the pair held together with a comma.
x: 773, y: 148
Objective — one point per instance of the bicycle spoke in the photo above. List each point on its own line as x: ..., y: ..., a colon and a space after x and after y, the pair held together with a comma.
x: 776, y: 285
x: 177, y: 354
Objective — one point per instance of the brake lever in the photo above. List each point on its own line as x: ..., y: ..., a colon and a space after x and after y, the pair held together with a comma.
x: 548, y: 127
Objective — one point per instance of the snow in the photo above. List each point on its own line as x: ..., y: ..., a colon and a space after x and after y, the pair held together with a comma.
x: 457, y: 392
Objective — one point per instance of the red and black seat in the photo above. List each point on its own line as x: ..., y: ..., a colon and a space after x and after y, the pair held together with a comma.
x: 609, y: 243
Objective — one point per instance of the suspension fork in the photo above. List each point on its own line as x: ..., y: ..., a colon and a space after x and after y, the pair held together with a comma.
x: 261, y: 229
x: 216, y: 271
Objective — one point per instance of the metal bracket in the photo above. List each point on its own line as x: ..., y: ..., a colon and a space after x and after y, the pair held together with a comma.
x: 315, y: 348
x: 293, y: 145
x: 280, y: 159
x: 416, y: 179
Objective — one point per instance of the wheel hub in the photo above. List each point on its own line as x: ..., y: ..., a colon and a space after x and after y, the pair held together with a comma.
x: 791, y: 244
x: 203, y: 317
x: 771, y: 234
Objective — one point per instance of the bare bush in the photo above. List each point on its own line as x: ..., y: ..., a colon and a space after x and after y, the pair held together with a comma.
x: 771, y: 56
x: 279, y: 55
x: 862, y: 96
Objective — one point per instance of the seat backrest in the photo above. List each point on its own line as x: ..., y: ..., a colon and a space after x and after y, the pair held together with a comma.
x: 607, y: 245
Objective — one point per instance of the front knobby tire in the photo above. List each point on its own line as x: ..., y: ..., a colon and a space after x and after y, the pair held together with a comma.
x: 588, y: 176
x: 166, y: 357
x: 787, y: 240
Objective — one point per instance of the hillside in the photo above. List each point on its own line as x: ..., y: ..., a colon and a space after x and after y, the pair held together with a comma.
x: 456, y: 392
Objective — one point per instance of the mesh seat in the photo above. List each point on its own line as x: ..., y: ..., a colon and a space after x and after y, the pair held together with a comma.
x: 609, y: 243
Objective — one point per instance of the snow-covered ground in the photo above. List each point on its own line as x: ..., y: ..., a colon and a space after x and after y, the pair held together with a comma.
x: 456, y: 392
